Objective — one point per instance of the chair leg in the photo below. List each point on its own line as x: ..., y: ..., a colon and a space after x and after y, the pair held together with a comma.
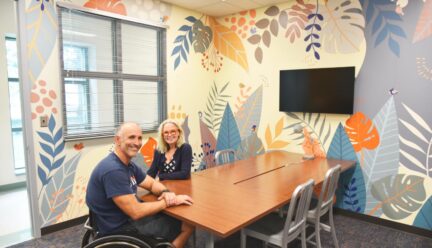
x: 303, y: 236
x: 333, y: 230
x: 242, y: 239
x: 317, y: 234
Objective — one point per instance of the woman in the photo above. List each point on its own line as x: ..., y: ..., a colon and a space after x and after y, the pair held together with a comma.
x: 173, y: 157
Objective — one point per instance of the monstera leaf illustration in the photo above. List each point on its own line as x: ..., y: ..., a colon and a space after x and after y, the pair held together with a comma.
x: 201, y: 36
x: 400, y: 195
x: 361, y: 132
x: 147, y: 151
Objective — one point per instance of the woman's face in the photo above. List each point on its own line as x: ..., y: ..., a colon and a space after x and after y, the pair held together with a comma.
x: 170, y: 133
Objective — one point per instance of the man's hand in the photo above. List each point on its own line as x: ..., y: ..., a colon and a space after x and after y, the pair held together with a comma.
x: 169, y: 197
x: 183, y: 199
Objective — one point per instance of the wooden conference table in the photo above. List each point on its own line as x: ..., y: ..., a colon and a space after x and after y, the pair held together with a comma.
x: 234, y: 195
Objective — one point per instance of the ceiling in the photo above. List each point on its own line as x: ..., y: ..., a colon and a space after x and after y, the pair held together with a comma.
x: 218, y: 8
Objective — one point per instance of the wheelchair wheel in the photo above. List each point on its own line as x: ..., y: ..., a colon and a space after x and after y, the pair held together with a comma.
x: 117, y: 241
x: 88, y: 237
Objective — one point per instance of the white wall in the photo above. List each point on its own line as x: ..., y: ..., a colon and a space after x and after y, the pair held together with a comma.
x: 7, y: 27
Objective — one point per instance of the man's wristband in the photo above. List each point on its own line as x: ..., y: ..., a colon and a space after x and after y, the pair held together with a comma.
x: 163, y: 191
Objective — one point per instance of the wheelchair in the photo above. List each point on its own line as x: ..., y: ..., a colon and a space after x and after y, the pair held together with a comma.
x: 91, y: 239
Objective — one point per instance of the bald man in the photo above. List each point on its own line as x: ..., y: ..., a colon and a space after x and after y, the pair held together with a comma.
x: 111, y: 195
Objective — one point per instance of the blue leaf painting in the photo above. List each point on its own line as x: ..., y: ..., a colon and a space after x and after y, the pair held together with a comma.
x: 384, y: 160
x: 46, y: 148
x: 424, y: 217
x: 249, y: 114
x: 181, y: 49
x: 350, y: 194
x: 59, y: 149
x: 313, y: 27
x: 45, y: 161
x: 58, y: 163
x: 41, y: 23
x: 42, y: 176
x: 56, y: 196
x: 229, y: 135
x: 58, y: 136
x: 45, y: 137
x: 51, y: 124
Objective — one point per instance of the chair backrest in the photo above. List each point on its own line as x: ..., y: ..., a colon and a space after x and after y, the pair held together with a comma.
x: 297, y: 211
x: 224, y: 156
x: 325, y: 201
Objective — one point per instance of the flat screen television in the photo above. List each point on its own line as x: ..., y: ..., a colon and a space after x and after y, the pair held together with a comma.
x: 323, y: 90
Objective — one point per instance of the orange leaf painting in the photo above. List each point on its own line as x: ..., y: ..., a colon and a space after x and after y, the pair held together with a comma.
x: 424, y: 23
x: 228, y: 43
x: 113, y: 6
x: 147, y: 150
x: 362, y: 132
x: 272, y: 143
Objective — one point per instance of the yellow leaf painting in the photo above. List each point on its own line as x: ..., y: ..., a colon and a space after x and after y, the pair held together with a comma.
x: 272, y: 142
x: 228, y: 43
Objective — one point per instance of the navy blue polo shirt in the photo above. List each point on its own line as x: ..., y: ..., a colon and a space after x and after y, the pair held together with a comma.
x: 111, y: 178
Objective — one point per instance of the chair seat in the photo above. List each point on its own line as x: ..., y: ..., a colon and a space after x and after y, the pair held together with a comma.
x: 270, y: 228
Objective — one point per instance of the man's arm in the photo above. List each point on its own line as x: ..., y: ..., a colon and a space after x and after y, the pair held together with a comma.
x: 136, y: 210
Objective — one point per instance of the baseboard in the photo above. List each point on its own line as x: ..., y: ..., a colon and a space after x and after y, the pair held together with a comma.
x: 12, y: 186
x: 384, y: 222
x: 63, y: 225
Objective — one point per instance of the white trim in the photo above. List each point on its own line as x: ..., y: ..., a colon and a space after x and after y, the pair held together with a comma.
x: 112, y: 15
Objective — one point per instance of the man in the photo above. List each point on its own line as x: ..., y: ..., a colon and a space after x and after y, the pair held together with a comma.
x: 111, y: 195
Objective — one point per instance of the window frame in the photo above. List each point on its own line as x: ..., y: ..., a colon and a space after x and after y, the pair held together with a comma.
x: 117, y: 76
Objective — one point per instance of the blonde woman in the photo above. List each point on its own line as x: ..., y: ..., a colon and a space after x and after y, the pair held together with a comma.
x: 173, y: 157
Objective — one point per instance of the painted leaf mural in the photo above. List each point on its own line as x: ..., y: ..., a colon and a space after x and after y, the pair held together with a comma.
x: 343, y: 29
x: 424, y: 218
x: 312, y: 29
x: 57, y: 194
x: 215, y: 106
x: 351, y: 193
x: 272, y: 141
x: 229, y: 135
x: 399, y: 195
x: 384, y: 160
x: 385, y: 24
x: 424, y: 24
x: 295, y: 19
x: 52, y: 146
x: 41, y: 28
x: 186, y: 129
x: 251, y: 146
x: 202, y: 36
x: 249, y: 116
x: 113, y: 6
x: 316, y: 124
x: 208, y: 144
x: 362, y: 132
x: 416, y: 149
x: 147, y: 150
x: 228, y: 43
x: 182, y: 42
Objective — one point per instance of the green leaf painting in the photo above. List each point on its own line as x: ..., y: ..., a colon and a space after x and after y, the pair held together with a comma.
x: 399, y: 195
x: 424, y: 217
x: 215, y: 106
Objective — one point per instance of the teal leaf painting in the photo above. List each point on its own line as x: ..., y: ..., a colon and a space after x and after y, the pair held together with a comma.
x: 41, y: 27
x: 182, y: 42
x: 251, y: 146
x: 384, y: 160
x: 229, y: 136
x: 350, y: 194
x: 208, y: 145
x: 399, y: 195
x: 58, y: 192
x: 424, y: 217
x: 249, y: 114
x: 416, y: 145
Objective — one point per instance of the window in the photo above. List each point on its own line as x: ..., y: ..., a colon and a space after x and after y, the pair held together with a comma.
x: 15, y: 105
x: 113, y: 71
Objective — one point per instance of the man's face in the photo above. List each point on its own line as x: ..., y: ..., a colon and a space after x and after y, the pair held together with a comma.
x: 129, y: 140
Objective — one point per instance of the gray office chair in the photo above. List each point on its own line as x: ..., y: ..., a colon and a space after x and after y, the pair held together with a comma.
x: 278, y: 230
x: 325, y: 204
x: 224, y: 156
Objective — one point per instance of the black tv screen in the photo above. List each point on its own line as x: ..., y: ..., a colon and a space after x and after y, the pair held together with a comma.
x: 323, y: 90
